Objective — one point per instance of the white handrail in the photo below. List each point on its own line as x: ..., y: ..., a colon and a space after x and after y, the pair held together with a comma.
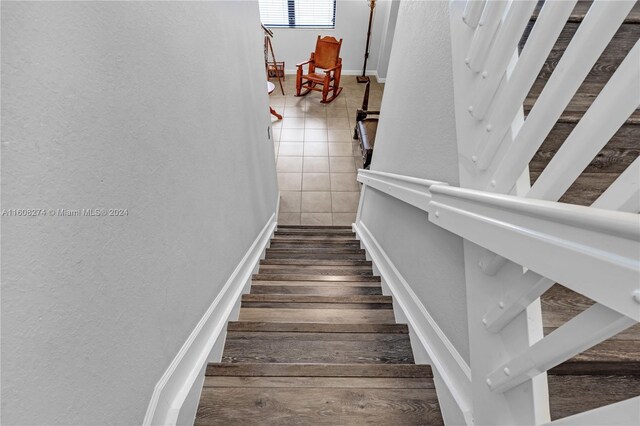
x: 593, y: 35
x: 531, y: 285
x: 609, y: 111
x: 411, y: 190
x: 593, y: 244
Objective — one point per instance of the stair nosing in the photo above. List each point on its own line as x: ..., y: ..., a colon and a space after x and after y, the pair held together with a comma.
x: 315, y: 370
x: 315, y: 277
x: 310, y: 327
x: 378, y: 299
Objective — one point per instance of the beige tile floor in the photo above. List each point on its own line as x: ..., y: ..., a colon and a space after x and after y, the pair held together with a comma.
x: 316, y: 157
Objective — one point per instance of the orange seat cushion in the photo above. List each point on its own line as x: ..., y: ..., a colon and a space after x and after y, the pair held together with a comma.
x: 315, y: 77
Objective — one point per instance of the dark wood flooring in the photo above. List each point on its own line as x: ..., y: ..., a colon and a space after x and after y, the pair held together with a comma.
x: 624, y: 146
x: 317, y: 343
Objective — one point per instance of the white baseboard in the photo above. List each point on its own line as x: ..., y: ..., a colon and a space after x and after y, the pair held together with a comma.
x: 277, y: 208
x: 177, y: 381
x: 443, y: 356
x: 380, y: 79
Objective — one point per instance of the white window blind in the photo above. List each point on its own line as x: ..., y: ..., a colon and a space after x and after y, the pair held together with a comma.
x: 298, y: 13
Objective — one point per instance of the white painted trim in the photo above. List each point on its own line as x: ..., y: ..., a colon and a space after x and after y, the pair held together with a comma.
x: 378, y: 78
x: 277, y: 210
x: 173, y: 387
x: 453, y: 369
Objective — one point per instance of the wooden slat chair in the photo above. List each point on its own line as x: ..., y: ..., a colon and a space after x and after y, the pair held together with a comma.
x: 327, y: 58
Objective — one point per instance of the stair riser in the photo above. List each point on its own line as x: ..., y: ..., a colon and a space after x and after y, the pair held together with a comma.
x: 312, y: 237
x: 312, y: 256
x: 311, y: 270
x: 315, y: 299
x: 346, y: 245
x: 318, y: 370
x: 316, y: 277
x: 318, y: 284
x: 324, y: 316
x: 316, y: 250
x: 297, y: 327
x: 316, y: 291
x: 294, y: 305
x: 316, y: 262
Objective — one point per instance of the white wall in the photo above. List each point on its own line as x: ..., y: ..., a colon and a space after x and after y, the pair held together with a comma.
x: 388, y: 32
x: 293, y: 45
x: 416, y: 137
x: 156, y: 107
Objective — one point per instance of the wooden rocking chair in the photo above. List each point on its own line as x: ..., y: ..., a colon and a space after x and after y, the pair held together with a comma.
x: 327, y: 58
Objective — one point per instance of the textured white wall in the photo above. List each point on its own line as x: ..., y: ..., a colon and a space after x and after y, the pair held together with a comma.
x: 388, y: 32
x: 416, y: 137
x: 157, y: 107
x: 352, y: 18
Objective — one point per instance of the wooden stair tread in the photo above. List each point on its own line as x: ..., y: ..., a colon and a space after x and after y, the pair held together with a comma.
x: 582, y: 7
x: 314, y: 299
x: 285, y: 236
x: 316, y: 262
x: 621, y: 150
x: 317, y: 291
x: 325, y: 290
x: 613, y: 356
x: 333, y: 316
x: 317, y: 227
x: 316, y: 305
x: 316, y: 342
x: 315, y: 277
x: 312, y: 283
x: 573, y: 394
x: 319, y: 370
x: 295, y: 406
x: 316, y: 270
x: 618, y: 355
x: 560, y: 304
x: 312, y: 255
x: 316, y: 327
x: 316, y: 245
x: 575, y: 111
x: 319, y: 382
x: 303, y: 241
x: 316, y: 250
x: 313, y: 347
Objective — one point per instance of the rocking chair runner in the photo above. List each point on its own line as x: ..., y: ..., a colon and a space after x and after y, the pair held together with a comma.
x: 327, y: 58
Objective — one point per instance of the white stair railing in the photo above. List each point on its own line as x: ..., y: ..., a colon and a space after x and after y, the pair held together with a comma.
x: 524, y: 240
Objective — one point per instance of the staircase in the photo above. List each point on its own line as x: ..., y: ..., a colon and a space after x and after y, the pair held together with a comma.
x: 317, y: 343
x: 607, y: 373
x: 623, y: 148
x: 610, y: 371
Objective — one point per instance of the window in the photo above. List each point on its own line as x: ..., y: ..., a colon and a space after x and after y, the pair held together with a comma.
x: 298, y: 13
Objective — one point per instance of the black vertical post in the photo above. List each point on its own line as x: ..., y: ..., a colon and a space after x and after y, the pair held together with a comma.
x: 363, y: 78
